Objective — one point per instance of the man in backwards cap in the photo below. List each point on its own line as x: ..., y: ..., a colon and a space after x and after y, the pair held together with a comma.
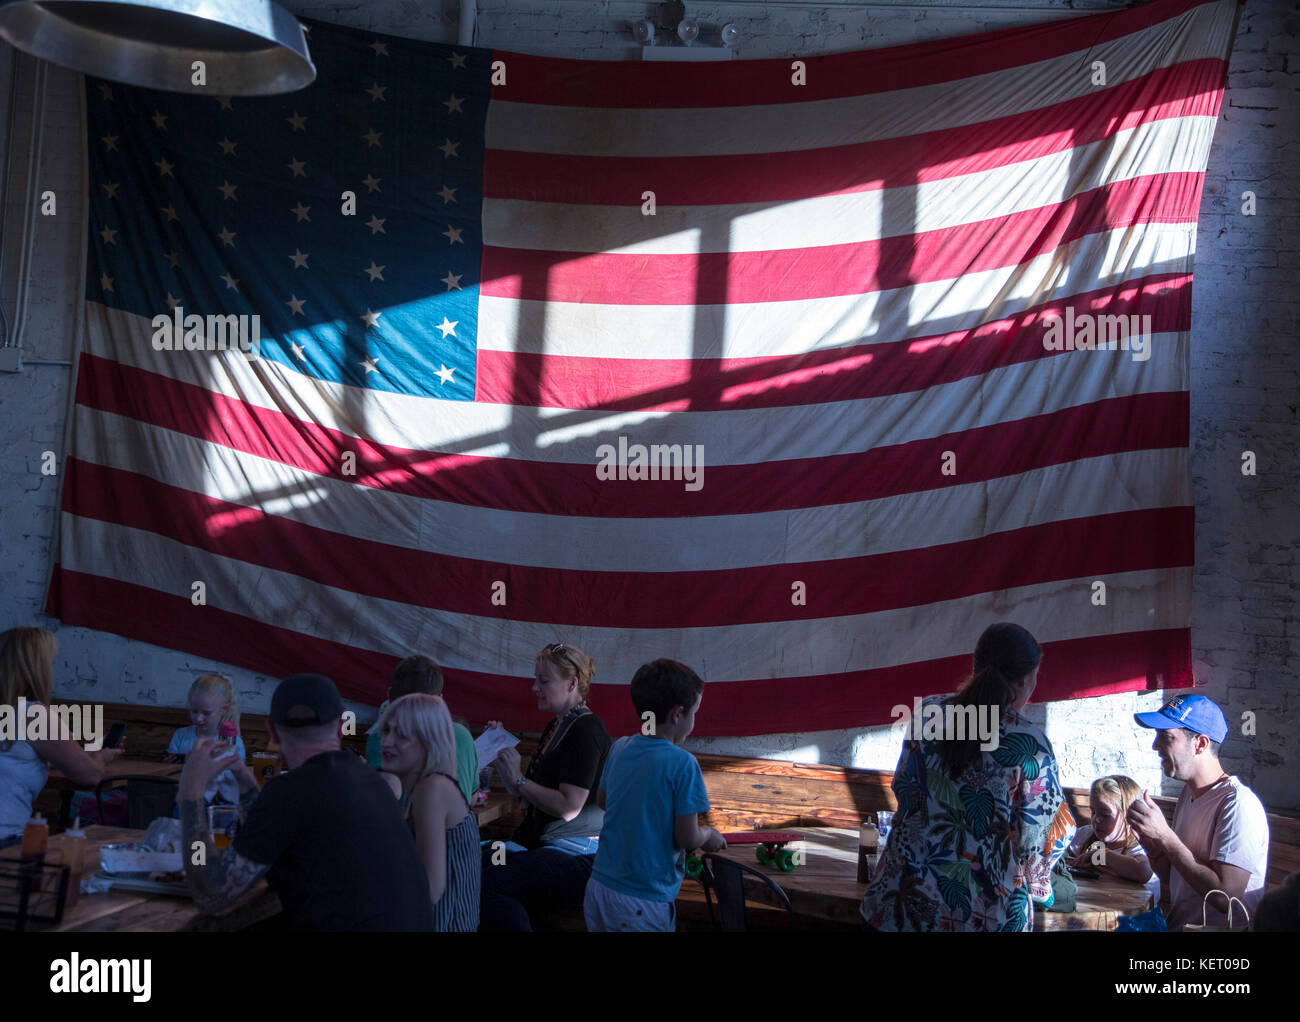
x: 1219, y: 840
x: 328, y: 833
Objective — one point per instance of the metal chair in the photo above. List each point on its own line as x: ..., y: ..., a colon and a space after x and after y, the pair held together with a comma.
x: 147, y: 798
x: 726, y: 878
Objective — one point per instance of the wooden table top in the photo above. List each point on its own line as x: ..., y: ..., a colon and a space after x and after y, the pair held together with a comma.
x: 118, y: 910
x: 497, y: 804
x: 825, y: 887
x: 138, y: 767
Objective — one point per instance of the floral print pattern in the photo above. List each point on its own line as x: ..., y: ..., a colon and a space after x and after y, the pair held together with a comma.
x: 971, y: 853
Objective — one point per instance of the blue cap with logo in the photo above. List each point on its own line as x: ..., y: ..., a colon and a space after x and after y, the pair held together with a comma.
x: 1196, y: 713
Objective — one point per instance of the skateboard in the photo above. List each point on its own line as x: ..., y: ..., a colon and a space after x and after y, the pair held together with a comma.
x: 769, y: 849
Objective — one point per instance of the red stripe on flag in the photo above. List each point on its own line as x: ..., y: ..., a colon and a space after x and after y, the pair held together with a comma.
x: 611, y: 84
x: 1107, y: 663
x: 1096, y: 545
x: 816, y: 377
x: 854, y: 268
x: 1192, y: 89
x: 1138, y: 422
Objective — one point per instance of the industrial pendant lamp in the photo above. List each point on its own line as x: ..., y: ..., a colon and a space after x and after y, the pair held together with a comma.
x: 247, y: 47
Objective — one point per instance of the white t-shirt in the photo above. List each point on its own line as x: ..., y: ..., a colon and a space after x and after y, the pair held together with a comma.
x: 1085, y: 837
x: 1228, y: 824
x: 224, y: 784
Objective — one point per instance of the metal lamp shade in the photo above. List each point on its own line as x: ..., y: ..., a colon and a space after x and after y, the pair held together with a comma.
x: 248, y: 47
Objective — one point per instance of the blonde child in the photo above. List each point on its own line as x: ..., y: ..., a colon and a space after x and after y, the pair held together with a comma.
x: 212, y: 700
x: 1109, y: 844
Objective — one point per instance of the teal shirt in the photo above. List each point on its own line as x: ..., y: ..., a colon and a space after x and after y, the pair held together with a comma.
x: 466, y: 759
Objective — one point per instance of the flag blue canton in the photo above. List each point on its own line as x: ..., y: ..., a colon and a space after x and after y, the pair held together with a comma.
x: 237, y: 206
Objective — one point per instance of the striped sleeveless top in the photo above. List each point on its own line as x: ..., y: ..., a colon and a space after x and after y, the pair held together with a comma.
x: 457, y: 909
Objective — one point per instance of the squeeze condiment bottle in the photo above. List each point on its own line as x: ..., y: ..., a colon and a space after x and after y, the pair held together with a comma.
x: 74, y: 857
x: 36, y: 836
x: 868, y: 843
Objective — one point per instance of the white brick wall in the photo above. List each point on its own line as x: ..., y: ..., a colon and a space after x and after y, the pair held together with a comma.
x: 1245, y: 378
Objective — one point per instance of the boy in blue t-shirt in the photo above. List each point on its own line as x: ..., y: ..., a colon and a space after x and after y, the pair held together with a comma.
x: 652, y: 792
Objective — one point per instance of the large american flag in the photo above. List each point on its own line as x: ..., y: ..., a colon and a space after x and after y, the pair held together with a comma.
x: 842, y: 296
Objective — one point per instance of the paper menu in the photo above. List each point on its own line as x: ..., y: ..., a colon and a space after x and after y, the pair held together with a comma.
x: 490, y: 743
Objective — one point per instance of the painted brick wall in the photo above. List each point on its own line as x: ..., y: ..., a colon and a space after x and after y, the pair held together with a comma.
x: 1245, y: 377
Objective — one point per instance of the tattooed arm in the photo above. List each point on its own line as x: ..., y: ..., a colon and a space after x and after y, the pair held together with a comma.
x: 227, y: 875
x: 224, y: 877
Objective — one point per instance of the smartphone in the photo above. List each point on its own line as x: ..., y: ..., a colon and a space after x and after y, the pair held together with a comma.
x: 115, y: 734
x: 1087, y: 874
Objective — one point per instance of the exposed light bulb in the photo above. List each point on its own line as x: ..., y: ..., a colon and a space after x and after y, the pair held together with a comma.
x: 730, y: 35
x: 689, y: 30
x: 644, y: 32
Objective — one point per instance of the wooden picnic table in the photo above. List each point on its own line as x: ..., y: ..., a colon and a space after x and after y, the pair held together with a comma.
x: 824, y: 890
x: 119, y: 910
x: 66, y: 787
x: 497, y: 802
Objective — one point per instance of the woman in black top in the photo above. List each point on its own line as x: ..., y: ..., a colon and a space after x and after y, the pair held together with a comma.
x: 549, y: 859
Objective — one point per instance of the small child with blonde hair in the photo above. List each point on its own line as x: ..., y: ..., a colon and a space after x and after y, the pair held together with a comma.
x: 212, y: 701
x: 1108, y: 844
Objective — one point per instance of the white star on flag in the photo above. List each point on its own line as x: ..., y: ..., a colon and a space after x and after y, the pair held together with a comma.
x: 444, y: 374
x: 371, y: 318
x: 295, y: 303
x: 447, y: 327
x: 453, y: 234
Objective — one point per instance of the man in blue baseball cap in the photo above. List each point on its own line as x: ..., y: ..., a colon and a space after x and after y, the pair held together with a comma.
x: 1219, y: 840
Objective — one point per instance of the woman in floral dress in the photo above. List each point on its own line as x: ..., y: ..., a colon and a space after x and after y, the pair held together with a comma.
x: 975, y: 830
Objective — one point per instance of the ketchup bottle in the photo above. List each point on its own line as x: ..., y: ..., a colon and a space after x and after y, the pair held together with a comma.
x: 36, y: 836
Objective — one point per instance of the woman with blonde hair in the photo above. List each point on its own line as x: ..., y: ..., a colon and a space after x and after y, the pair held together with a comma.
x: 418, y: 748
x: 27, y: 672
x: 549, y: 859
